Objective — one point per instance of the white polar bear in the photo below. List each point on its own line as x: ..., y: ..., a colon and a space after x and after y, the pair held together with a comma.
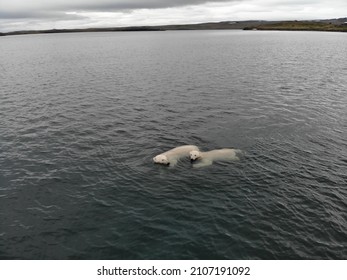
x: 207, y: 158
x: 171, y: 157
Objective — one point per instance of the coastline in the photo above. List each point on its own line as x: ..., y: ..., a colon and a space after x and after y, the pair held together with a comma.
x: 330, y: 25
x: 301, y: 26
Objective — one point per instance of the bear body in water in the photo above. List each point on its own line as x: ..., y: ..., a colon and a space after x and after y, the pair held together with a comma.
x: 207, y: 158
x: 172, y: 156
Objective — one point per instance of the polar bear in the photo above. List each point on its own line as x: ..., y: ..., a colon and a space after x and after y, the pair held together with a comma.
x: 171, y: 157
x: 207, y: 158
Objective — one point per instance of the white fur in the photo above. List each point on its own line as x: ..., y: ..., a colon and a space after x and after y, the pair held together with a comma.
x: 207, y: 158
x: 171, y: 157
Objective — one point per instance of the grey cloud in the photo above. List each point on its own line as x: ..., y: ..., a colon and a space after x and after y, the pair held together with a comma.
x: 107, y: 5
x: 40, y: 15
x: 19, y: 9
x: 12, y: 11
x: 15, y: 15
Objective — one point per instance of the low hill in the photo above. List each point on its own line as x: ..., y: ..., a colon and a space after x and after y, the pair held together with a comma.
x: 326, y: 25
x: 316, y: 25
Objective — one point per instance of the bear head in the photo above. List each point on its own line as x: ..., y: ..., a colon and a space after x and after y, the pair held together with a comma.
x: 194, y: 155
x: 161, y: 159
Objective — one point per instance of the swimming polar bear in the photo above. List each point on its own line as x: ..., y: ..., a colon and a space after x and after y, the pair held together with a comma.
x: 171, y: 157
x: 207, y: 158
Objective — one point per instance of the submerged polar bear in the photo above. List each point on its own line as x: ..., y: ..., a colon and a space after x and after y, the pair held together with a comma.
x: 207, y: 158
x: 171, y: 157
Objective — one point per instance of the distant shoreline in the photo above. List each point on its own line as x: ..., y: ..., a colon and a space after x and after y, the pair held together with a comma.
x: 302, y: 26
x: 331, y: 25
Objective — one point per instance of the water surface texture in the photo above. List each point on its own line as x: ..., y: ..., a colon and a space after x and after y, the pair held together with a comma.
x: 82, y: 116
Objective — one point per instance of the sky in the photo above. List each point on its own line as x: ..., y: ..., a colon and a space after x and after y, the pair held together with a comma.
x: 49, y: 14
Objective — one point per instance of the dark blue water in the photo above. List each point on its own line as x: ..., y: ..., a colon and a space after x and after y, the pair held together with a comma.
x: 82, y: 115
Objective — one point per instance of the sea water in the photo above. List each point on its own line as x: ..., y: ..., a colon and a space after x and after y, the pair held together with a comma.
x: 82, y: 115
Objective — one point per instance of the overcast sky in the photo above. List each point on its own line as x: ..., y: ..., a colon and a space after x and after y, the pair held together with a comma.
x: 48, y: 14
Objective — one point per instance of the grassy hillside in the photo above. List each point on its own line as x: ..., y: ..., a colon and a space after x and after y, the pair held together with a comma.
x: 301, y: 25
